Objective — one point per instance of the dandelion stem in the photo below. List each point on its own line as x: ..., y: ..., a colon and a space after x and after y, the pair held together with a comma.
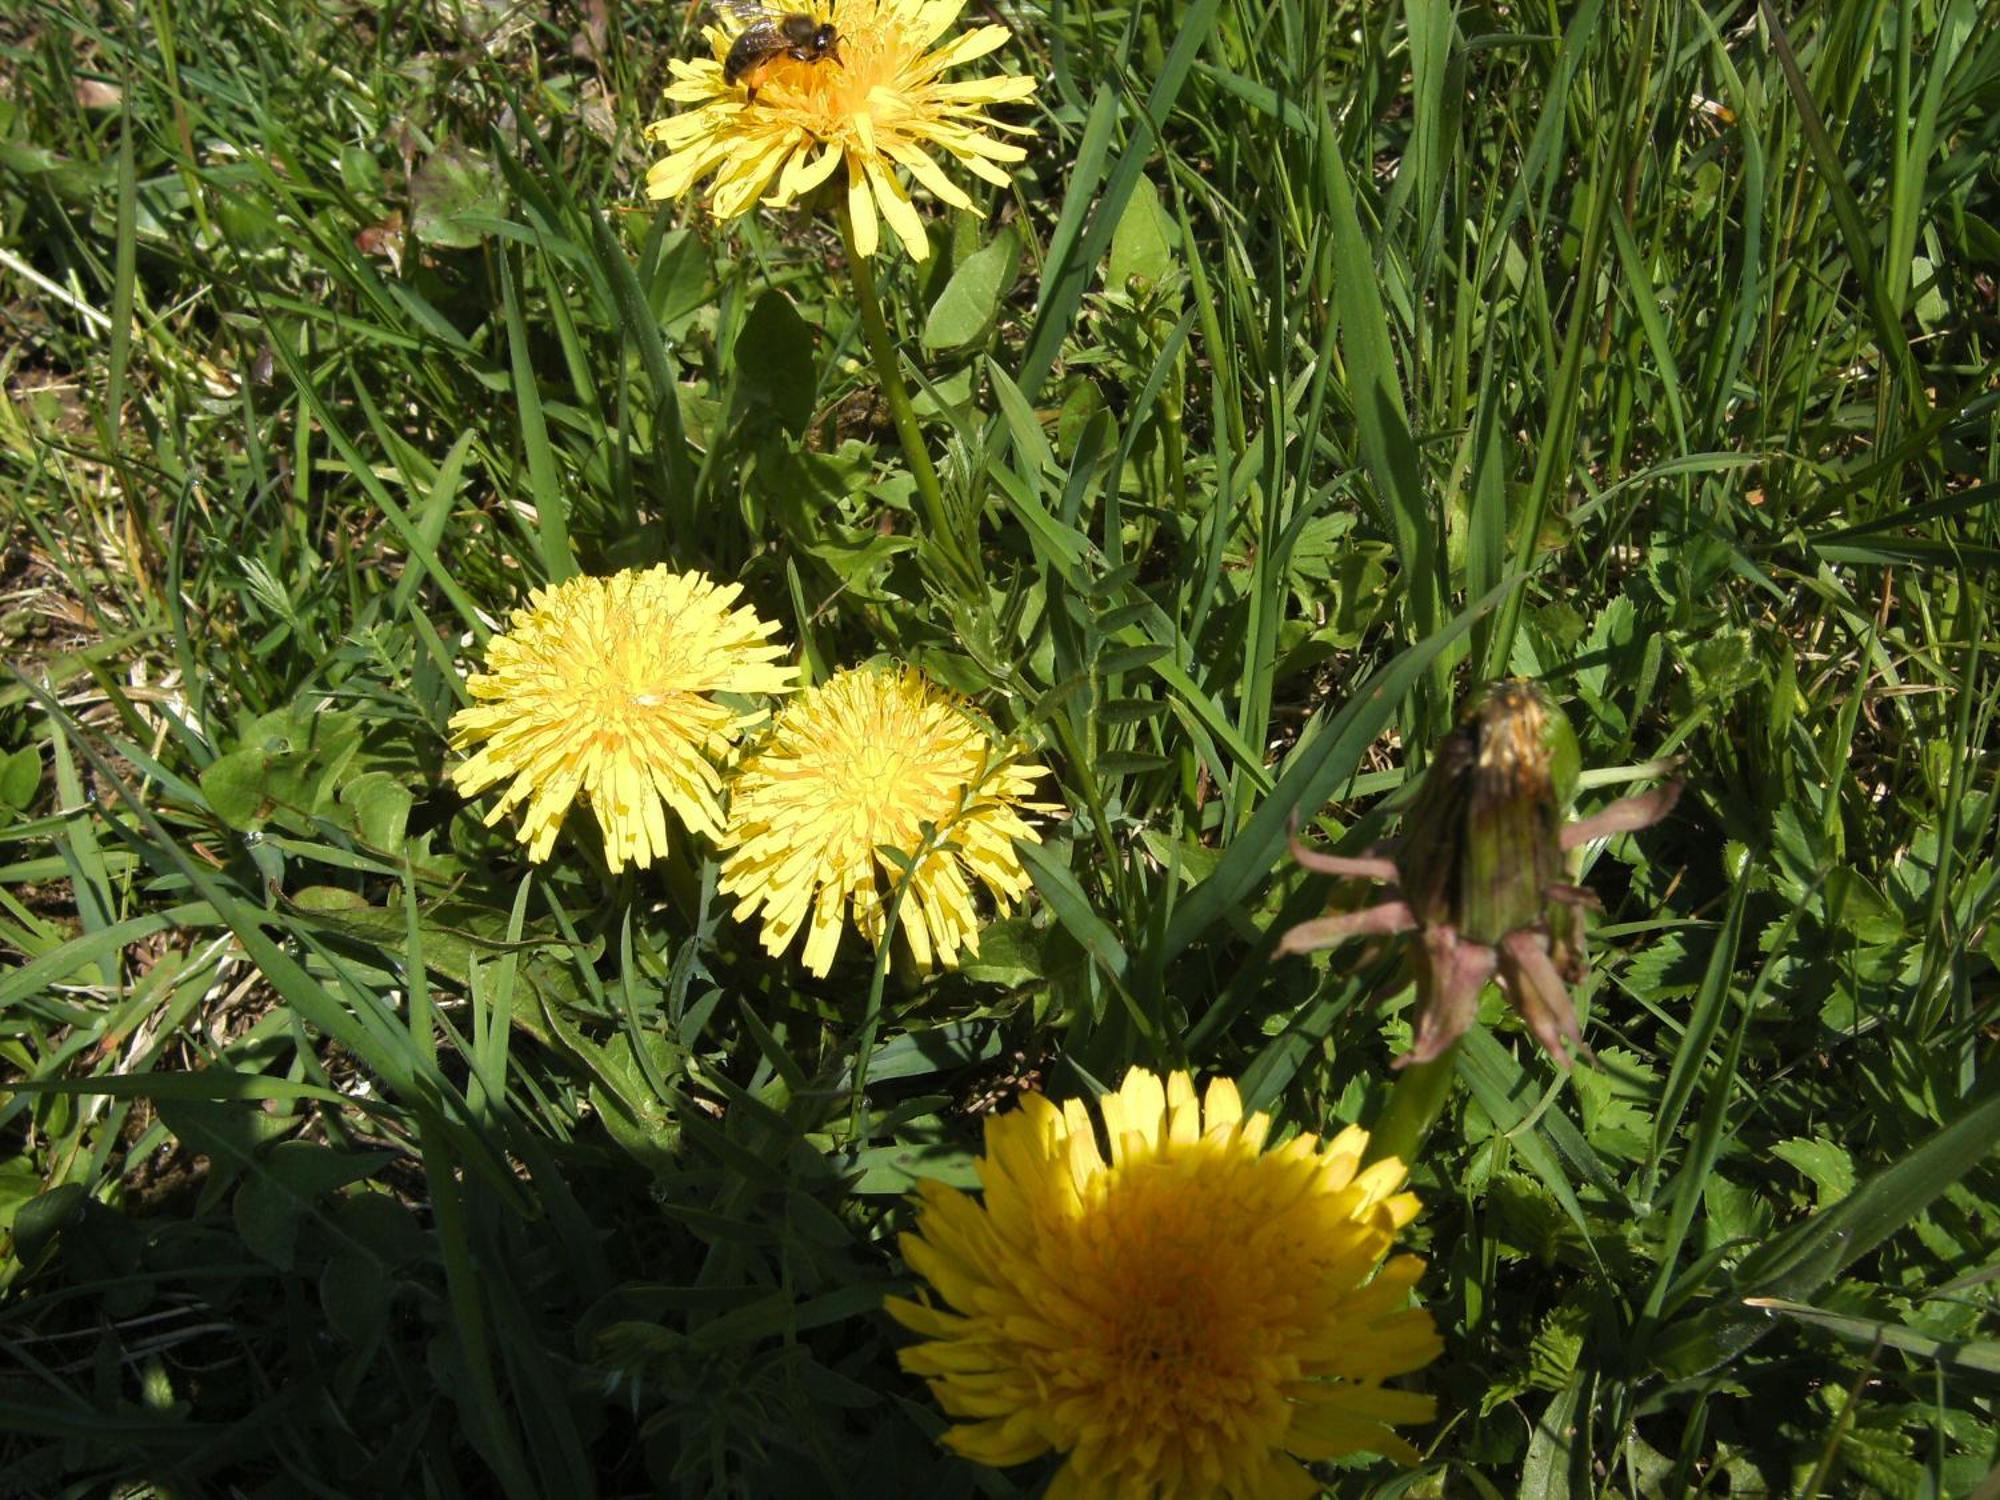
x: 1413, y: 1108
x: 888, y: 368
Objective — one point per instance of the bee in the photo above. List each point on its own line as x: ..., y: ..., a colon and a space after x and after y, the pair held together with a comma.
x: 769, y: 35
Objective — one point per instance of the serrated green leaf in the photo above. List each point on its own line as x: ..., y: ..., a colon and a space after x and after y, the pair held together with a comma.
x: 1828, y: 1167
x: 1557, y: 1346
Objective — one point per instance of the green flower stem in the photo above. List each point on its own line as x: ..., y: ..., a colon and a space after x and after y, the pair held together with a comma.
x: 1413, y: 1108
x: 888, y: 368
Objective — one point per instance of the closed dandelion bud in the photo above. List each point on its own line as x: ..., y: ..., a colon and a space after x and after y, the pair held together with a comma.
x: 1483, y: 843
x: 1480, y: 875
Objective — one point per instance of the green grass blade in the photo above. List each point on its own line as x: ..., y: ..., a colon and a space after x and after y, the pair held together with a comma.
x: 1311, y: 774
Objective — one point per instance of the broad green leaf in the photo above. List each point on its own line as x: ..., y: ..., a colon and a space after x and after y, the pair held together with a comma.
x: 774, y: 361
x: 1828, y: 1167
x: 967, y: 308
x: 1142, y: 249
x: 38, y: 1221
x: 682, y: 277
x: 285, y: 768
x: 284, y: 1185
x: 455, y: 186
x: 20, y: 779
x: 381, y: 806
x: 230, y: 1133
x: 355, y: 1296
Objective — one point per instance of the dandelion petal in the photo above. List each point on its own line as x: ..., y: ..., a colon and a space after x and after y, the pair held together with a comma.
x: 885, y: 106
x: 1191, y: 1318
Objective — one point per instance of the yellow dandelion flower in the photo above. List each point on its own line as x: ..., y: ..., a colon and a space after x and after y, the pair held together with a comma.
x: 852, y: 769
x: 1193, y: 1318
x: 880, y: 104
x: 604, y: 687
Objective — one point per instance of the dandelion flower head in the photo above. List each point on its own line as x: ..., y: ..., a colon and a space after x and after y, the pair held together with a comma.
x: 859, y: 766
x: 1194, y: 1316
x: 604, y: 688
x: 883, y: 105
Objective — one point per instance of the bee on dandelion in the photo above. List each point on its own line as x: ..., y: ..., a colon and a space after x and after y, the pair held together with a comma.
x: 791, y: 96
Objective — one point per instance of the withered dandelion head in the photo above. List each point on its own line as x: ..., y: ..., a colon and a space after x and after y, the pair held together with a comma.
x: 1195, y: 1317
x: 1480, y: 876
x: 605, y: 688
x: 831, y: 812
x: 875, y: 101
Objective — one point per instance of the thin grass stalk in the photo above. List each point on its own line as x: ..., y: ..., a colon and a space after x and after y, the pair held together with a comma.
x: 960, y: 561
x: 1415, y: 1104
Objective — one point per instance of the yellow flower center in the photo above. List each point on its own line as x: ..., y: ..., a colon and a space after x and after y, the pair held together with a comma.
x: 616, y: 683
x: 1184, y: 1329
x: 883, y: 793
x: 1188, y: 1321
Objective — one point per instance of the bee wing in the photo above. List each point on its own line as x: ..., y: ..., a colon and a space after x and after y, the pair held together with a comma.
x: 747, y: 11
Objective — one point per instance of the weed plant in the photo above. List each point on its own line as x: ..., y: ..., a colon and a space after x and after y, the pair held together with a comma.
x: 1322, y: 362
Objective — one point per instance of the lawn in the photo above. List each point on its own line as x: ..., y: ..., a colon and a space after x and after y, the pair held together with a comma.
x: 647, y: 817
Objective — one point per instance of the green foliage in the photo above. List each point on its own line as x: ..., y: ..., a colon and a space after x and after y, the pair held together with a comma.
x: 1324, y: 361
x: 969, y: 305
